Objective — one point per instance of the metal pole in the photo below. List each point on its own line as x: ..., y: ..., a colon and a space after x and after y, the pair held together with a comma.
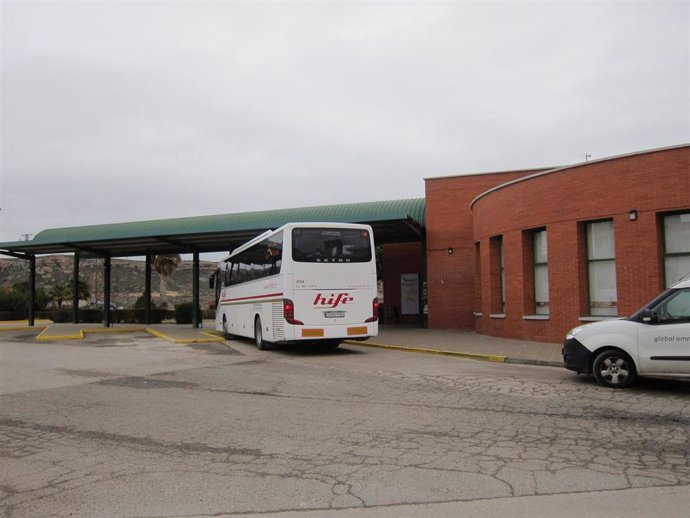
x: 195, y: 292
x: 147, y: 291
x: 32, y: 290
x: 106, y: 291
x: 75, y: 289
x: 423, y: 288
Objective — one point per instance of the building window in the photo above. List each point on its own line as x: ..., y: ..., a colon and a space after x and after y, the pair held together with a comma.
x: 502, y: 263
x: 541, y: 273
x: 477, y: 278
x: 498, y: 279
x: 601, y: 269
x: 676, y: 247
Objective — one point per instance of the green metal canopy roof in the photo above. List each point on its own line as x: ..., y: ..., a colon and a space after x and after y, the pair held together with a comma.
x: 392, y: 221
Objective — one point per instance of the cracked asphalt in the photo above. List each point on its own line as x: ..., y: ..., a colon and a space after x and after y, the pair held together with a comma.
x: 134, y: 426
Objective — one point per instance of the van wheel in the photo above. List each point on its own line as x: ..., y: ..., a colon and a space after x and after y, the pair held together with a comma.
x: 259, y: 336
x: 614, y: 369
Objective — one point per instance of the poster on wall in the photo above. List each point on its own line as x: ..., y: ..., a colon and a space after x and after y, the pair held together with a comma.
x: 409, y: 293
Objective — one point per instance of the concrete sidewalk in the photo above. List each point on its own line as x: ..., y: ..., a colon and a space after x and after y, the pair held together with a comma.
x: 449, y: 342
x: 467, y: 344
x: 23, y: 325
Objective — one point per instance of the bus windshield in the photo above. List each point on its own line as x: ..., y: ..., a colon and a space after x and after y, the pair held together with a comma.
x: 331, y: 245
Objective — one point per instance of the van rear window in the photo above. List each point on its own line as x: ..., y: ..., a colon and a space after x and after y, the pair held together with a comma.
x: 331, y: 245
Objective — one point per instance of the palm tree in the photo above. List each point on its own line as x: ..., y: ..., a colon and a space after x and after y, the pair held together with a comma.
x: 82, y: 289
x: 165, y: 265
x: 60, y: 292
x: 63, y: 292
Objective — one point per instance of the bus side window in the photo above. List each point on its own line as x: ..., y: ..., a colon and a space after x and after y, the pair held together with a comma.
x: 228, y: 274
x: 242, y: 273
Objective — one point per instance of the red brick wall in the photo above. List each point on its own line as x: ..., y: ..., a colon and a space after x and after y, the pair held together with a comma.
x: 451, y: 278
x: 652, y: 183
x: 398, y: 259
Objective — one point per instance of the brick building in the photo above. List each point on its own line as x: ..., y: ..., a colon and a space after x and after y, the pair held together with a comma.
x: 532, y: 253
x: 521, y: 254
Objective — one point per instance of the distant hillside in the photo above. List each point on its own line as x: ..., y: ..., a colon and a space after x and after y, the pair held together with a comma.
x: 127, y: 278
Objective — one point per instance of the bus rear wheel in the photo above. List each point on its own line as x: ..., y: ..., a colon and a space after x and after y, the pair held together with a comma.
x: 259, y: 335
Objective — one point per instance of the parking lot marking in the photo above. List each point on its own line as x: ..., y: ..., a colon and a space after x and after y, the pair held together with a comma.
x: 471, y: 356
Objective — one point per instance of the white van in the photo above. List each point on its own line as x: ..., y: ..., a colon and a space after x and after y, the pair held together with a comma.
x: 655, y: 340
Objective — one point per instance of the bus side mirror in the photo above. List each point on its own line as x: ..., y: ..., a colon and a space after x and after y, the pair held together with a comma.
x: 649, y: 316
x: 212, y: 281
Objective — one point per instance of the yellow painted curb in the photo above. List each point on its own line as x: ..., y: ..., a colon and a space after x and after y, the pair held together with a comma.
x: 162, y: 335
x: 88, y: 331
x: 212, y: 335
x: 25, y: 322
x: 97, y: 330
x: 49, y: 338
x: 471, y: 356
x: 153, y: 332
x: 23, y: 325
x: 21, y: 328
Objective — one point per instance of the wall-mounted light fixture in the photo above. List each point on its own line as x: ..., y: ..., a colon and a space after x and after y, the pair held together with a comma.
x: 633, y: 215
x: 450, y: 250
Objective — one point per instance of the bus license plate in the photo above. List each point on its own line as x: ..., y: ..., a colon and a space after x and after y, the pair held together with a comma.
x: 334, y: 314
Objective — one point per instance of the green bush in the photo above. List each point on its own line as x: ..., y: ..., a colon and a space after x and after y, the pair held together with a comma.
x: 122, y: 316
x: 90, y: 316
x: 157, y: 315
x: 140, y: 303
x: 131, y: 316
x: 13, y: 315
x: 61, y: 316
x: 183, y: 313
x: 38, y: 315
x: 65, y: 316
x: 16, y: 298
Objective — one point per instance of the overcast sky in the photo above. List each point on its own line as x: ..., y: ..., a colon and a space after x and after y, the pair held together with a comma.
x: 131, y: 110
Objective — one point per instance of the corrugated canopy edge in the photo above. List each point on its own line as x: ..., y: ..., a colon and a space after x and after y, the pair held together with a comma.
x: 393, y: 221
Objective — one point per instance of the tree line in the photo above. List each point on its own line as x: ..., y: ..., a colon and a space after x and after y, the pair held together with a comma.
x: 16, y: 297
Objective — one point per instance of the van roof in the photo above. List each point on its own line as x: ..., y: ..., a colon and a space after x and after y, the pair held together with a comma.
x: 684, y: 283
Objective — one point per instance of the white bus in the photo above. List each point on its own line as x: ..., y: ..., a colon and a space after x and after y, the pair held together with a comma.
x: 304, y: 282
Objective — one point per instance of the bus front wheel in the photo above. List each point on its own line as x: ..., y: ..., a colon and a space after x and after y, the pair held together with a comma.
x: 259, y: 335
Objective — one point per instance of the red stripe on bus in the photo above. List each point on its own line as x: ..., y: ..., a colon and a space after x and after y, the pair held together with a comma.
x: 253, y: 297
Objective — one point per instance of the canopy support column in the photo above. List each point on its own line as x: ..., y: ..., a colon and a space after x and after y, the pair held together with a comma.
x: 147, y: 291
x: 195, y: 292
x: 106, y: 291
x: 75, y: 289
x: 31, y: 317
x: 423, y: 289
